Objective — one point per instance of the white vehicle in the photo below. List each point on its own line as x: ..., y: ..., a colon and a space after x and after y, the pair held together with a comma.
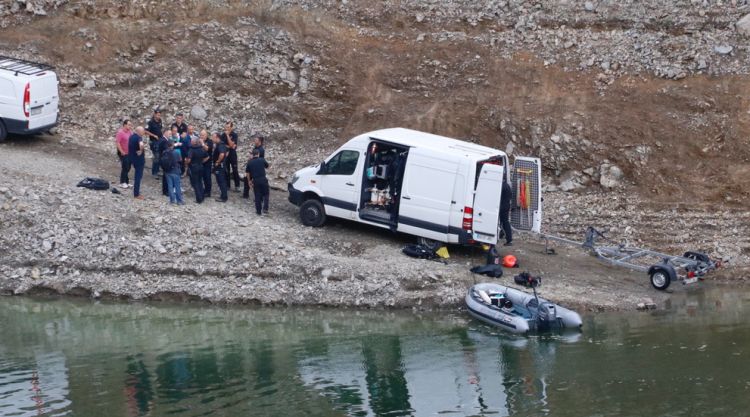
x: 436, y: 188
x: 28, y: 97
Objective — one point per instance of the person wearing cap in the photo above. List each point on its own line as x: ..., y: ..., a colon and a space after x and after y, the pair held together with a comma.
x: 121, y: 140
x: 230, y: 139
x: 219, y: 160
x: 256, y: 177
x: 196, y: 157
x: 137, y: 155
x: 155, y: 130
x: 179, y: 123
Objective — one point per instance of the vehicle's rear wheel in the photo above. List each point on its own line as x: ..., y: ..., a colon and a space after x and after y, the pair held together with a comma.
x: 3, y: 131
x: 312, y: 213
x: 660, y: 279
x: 430, y: 244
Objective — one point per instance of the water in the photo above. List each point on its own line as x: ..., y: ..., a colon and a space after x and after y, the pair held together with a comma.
x: 81, y: 358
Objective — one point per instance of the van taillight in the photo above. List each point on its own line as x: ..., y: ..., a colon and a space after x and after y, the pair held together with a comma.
x: 468, y: 218
x: 27, y: 100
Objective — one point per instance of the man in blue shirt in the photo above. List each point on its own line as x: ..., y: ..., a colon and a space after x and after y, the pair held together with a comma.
x: 173, y: 159
x: 138, y: 158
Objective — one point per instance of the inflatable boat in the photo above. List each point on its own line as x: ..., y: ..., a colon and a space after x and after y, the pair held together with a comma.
x: 517, y: 311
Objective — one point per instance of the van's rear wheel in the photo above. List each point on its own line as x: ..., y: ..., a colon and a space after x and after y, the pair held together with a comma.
x: 312, y: 213
x: 3, y: 131
x: 430, y: 244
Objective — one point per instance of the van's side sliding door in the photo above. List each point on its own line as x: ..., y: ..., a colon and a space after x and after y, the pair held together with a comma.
x: 426, y: 195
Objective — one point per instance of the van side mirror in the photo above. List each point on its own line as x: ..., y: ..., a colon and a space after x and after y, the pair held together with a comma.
x: 322, y: 169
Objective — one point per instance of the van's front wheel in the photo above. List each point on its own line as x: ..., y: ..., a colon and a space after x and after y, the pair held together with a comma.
x: 3, y: 131
x: 312, y: 213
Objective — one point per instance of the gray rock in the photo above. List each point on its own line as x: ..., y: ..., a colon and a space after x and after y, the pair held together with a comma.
x: 198, y: 112
x: 589, y: 6
x: 610, y: 176
x: 743, y: 25
x: 723, y: 49
x: 89, y: 84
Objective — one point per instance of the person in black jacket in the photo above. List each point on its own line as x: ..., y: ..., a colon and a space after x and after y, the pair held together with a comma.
x: 196, y: 157
x: 229, y: 138
x: 154, y: 130
x: 208, y: 146
x: 219, y: 160
x: 256, y: 177
x: 505, y: 198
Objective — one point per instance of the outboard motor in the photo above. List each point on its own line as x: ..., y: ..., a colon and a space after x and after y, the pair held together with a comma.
x: 547, y: 315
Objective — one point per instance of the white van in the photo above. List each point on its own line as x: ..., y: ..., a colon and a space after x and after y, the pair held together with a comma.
x: 28, y: 97
x: 436, y: 188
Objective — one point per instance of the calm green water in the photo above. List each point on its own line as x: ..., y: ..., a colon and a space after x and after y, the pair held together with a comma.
x: 81, y: 358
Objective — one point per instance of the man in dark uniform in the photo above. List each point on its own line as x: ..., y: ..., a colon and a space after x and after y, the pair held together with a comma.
x: 208, y: 146
x: 505, y: 198
x: 258, y: 142
x: 230, y: 138
x: 256, y: 177
x: 154, y: 130
x: 196, y: 157
x: 179, y: 123
x: 162, y: 145
x: 218, y: 160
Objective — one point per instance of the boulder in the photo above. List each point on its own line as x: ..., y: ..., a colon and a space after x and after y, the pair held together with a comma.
x: 743, y: 25
x: 198, y: 112
x: 610, y: 176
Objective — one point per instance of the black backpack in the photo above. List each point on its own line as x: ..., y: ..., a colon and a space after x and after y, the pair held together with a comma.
x: 94, y: 183
x: 167, y: 160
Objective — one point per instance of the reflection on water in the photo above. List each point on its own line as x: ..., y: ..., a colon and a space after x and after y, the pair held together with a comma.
x: 79, y: 358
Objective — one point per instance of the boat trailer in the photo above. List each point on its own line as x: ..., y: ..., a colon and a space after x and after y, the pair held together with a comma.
x: 661, y: 268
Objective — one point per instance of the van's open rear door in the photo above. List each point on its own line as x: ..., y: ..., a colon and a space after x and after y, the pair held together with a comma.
x: 487, y: 203
x: 526, y: 207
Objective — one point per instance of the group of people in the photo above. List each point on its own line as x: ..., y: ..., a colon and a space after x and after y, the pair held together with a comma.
x: 180, y: 152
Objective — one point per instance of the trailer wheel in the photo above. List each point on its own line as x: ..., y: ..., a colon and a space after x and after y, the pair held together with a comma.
x: 312, y: 213
x: 660, y: 279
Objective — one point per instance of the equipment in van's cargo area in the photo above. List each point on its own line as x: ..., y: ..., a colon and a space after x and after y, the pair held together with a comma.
x: 429, y: 186
x: 28, y: 97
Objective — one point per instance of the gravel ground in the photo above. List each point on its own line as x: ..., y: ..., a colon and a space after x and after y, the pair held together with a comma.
x: 60, y: 238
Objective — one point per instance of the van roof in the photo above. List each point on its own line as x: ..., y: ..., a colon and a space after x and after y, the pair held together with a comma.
x: 20, y: 66
x: 417, y: 139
